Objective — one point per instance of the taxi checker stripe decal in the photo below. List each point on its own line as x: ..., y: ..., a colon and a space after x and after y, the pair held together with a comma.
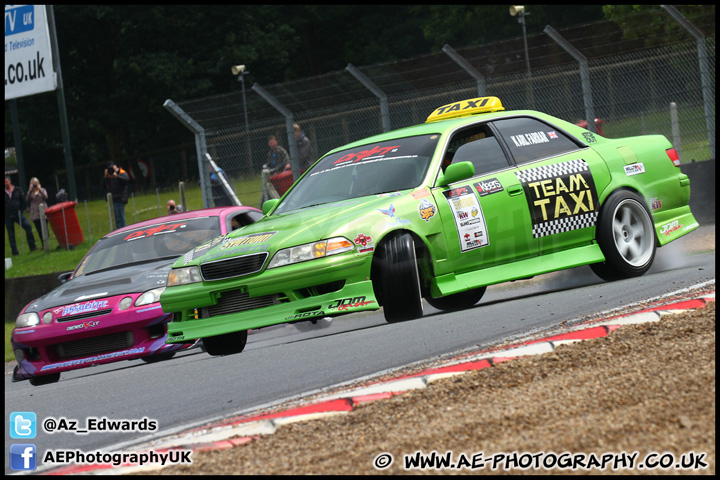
x: 550, y: 171
x: 564, y: 225
x: 561, y: 197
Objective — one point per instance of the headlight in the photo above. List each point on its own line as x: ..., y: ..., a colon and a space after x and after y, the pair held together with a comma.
x: 183, y: 276
x: 125, y: 303
x: 151, y: 296
x: 27, y: 320
x: 310, y: 251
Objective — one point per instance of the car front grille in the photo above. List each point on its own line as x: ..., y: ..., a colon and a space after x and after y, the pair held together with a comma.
x: 233, y: 267
x: 95, y: 345
x: 83, y: 316
x: 236, y: 301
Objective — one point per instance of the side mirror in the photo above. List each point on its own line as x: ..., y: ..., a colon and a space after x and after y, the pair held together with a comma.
x: 64, y: 277
x: 269, y: 205
x: 456, y: 172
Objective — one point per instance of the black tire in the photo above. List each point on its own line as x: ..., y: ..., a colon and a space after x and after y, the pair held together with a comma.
x: 227, y: 344
x: 161, y: 357
x: 397, y: 280
x: 457, y: 301
x: 626, y: 235
x: 44, y: 379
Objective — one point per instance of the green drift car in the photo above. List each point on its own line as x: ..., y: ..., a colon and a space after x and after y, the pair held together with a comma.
x: 473, y: 197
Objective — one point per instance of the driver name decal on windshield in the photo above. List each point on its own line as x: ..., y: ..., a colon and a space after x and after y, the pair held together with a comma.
x: 561, y: 197
x: 167, y: 228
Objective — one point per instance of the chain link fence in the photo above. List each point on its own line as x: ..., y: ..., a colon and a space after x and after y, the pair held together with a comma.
x: 642, y: 77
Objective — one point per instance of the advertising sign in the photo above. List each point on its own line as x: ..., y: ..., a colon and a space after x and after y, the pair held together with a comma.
x: 28, y: 52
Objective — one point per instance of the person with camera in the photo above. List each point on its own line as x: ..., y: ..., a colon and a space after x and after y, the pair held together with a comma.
x: 14, y: 206
x: 172, y: 207
x: 116, y: 182
x: 35, y: 197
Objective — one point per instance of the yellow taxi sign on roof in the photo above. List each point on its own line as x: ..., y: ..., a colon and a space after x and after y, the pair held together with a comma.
x: 464, y: 108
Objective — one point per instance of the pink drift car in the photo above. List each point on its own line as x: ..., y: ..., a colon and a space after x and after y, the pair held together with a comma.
x: 108, y: 309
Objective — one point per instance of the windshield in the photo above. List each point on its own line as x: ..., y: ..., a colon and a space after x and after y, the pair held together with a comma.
x: 370, y: 169
x: 164, y: 240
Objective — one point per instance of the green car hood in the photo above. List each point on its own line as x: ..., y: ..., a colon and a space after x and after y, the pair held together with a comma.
x: 347, y: 218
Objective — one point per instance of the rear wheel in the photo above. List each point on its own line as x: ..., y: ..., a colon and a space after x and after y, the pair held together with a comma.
x: 458, y: 301
x: 45, y: 379
x: 227, y: 344
x: 397, y: 280
x: 626, y: 236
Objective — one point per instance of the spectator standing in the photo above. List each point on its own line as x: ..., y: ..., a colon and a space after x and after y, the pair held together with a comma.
x: 220, y: 196
x: 35, y: 197
x: 14, y: 206
x: 278, y: 159
x: 116, y: 182
x: 305, y: 148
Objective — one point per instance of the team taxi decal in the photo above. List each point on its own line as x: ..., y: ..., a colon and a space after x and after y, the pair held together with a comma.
x: 469, y: 218
x: 426, y: 210
x: 561, y: 197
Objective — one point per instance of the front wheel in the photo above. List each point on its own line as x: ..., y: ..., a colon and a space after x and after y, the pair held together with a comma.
x: 457, y: 301
x: 626, y: 236
x: 397, y: 280
x: 227, y: 344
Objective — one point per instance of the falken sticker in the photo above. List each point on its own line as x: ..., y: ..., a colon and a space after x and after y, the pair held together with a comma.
x: 561, y: 197
x: 486, y: 187
x: 426, y: 210
x: 634, y: 169
x: 469, y: 218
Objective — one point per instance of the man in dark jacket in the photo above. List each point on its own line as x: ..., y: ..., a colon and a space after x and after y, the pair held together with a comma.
x: 14, y: 206
x: 115, y: 182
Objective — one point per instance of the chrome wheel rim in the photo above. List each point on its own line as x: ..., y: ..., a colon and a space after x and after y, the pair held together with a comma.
x: 633, y: 233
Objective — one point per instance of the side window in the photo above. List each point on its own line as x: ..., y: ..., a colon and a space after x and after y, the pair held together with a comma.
x: 244, y: 219
x: 530, y: 139
x: 478, y: 146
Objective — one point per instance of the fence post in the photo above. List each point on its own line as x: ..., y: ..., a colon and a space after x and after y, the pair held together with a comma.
x: 44, y: 229
x: 181, y: 187
x: 465, y: 65
x: 87, y: 215
x: 200, y: 145
x: 384, y: 107
x: 584, y: 75
x: 111, y: 212
x: 708, y: 101
x: 675, y: 127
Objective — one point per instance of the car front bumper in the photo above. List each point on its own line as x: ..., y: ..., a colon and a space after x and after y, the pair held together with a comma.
x: 318, y: 288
